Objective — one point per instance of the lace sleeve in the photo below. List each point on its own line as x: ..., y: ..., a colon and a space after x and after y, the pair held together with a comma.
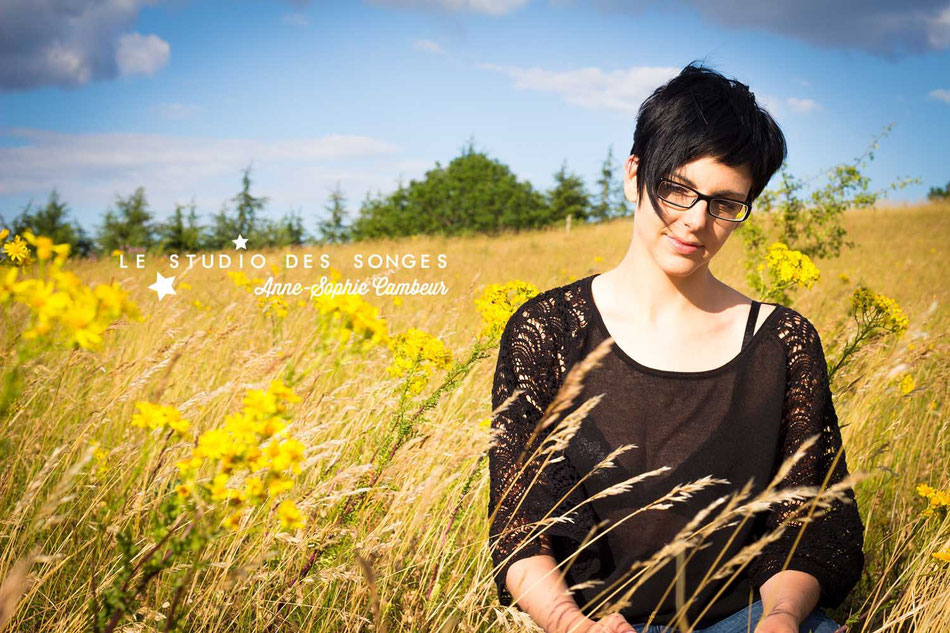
x: 831, y: 546
x: 524, y: 487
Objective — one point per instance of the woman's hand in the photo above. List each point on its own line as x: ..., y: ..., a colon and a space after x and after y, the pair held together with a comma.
x: 778, y: 622
x: 613, y: 623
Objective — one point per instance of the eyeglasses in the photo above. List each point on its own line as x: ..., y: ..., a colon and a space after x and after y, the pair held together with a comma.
x: 682, y: 197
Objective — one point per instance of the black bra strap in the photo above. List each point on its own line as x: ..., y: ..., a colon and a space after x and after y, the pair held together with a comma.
x: 750, y: 325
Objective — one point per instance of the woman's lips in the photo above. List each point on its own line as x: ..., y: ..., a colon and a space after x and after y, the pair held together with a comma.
x: 682, y: 247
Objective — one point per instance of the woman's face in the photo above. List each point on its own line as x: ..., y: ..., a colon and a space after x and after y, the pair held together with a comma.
x: 655, y: 228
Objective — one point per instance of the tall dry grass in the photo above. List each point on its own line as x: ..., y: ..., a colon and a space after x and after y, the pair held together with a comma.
x: 414, y: 557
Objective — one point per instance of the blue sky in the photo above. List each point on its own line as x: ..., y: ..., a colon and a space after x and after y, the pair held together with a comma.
x: 179, y: 96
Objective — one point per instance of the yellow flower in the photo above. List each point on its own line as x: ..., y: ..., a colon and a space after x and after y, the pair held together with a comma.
x: 187, y: 467
x: 289, y: 515
x: 219, y: 487
x: 254, y: 490
x: 906, y: 384
x: 233, y: 520
x: 184, y: 286
x: 183, y: 489
x: 498, y: 302
x: 877, y: 310
x: 944, y: 555
x: 16, y: 250
x: 240, y: 279
x: 939, y: 500
x: 45, y: 247
x: 155, y: 416
x: 285, y: 454
x: 277, y: 484
x: 415, y: 351
x: 4, y: 233
x: 790, y: 267
x: 213, y: 444
x: 397, y: 300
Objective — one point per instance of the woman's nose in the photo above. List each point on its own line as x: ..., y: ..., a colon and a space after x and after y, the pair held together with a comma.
x: 697, y: 214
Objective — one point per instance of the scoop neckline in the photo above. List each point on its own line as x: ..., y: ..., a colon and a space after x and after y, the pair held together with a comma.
x: 757, y: 335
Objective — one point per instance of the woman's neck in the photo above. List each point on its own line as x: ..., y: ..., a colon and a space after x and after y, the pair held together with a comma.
x: 651, y: 295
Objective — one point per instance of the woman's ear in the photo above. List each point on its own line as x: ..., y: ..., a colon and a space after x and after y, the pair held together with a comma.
x: 630, y: 178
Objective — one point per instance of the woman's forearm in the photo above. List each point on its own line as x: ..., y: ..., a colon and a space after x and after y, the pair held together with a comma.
x: 538, y: 588
x: 790, y: 591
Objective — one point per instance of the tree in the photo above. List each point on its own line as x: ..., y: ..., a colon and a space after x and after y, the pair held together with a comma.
x: 52, y: 221
x: 332, y: 229
x: 611, y: 202
x: 939, y: 193
x: 473, y: 193
x: 247, y: 205
x: 181, y: 233
x: 129, y: 226
x: 226, y: 227
x: 568, y: 196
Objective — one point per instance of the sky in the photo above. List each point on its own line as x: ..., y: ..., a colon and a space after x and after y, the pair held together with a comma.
x: 99, y: 97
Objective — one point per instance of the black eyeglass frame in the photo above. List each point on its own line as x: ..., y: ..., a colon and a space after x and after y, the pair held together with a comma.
x: 702, y: 196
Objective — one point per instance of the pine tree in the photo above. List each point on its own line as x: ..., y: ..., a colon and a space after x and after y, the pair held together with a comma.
x: 568, y: 197
x: 181, y: 233
x: 130, y: 225
x: 247, y: 205
x: 332, y: 229
x: 52, y: 221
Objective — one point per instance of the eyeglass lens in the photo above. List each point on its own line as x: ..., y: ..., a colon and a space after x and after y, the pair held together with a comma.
x: 682, y: 196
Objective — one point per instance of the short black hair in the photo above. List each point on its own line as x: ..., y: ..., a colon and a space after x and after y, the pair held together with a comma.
x: 702, y: 114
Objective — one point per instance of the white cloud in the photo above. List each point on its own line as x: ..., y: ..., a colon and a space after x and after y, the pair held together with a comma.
x: 138, y: 54
x: 428, y: 46
x: 802, y: 106
x: 882, y: 27
x: 51, y: 42
x: 490, y: 7
x: 776, y: 106
x: 295, y: 19
x: 591, y: 87
x: 90, y: 169
x: 940, y: 94
x: 938, y: 30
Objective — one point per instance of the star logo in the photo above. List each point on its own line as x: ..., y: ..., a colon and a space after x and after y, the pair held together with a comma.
x: 163, y: 286
x: 240, y: 242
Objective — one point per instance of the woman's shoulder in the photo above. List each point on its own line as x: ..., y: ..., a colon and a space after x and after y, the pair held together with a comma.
x: 556, y: 309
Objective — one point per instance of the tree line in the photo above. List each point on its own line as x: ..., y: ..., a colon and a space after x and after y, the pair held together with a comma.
x: 474, y: 193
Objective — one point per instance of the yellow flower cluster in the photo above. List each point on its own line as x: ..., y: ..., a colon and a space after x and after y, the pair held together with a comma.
x: 254, y: 439
x: 906, y: 384
x: 17, y: 251
x: 353, y: 317
x: 879, y: 310
x: 790, y: 267
x: 416, y: 355
x: 61, y: 305
x: 498, y: 302
x: 159, y: 416
x: 274, y: 305
x: 939, y: 500
x: 241, y: 280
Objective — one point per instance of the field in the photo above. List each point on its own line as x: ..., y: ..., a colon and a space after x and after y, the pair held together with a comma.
x: 392, y: 486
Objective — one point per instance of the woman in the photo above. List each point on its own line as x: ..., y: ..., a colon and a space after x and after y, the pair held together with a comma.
x: 700, y: 379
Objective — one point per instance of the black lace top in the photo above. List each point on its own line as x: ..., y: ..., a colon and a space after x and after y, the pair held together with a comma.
x: 735, y: 423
